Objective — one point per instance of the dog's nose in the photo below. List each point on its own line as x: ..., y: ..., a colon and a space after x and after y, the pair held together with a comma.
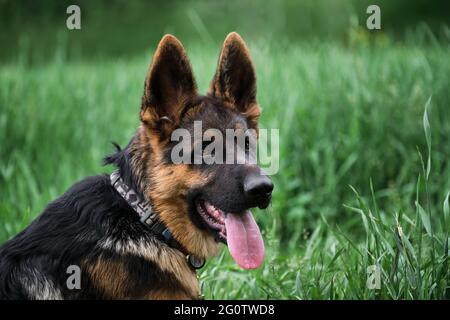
x: 258, y: 190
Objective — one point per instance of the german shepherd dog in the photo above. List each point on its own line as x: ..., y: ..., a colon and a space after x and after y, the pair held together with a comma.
x: 141, y: 232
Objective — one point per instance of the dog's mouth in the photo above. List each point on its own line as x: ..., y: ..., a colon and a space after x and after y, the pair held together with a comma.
x: 238, y: 230
x: 213, y: 217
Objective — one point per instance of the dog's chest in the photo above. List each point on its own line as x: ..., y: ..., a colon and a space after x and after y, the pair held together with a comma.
x: 140, y: 269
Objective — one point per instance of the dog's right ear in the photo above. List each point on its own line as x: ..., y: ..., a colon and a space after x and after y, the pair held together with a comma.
x: 168, y: 86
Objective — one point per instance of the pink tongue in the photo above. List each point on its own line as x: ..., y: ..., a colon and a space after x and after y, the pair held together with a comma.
x: 244, y: 240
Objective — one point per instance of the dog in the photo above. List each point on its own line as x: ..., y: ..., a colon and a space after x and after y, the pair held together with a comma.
x: 143, y: 231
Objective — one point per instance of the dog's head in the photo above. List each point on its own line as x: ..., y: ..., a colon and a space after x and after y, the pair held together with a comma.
x: 202, y: 199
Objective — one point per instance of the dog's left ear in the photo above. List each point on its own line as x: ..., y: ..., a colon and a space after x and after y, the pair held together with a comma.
x: 234, y: 81
x: 169, y: 85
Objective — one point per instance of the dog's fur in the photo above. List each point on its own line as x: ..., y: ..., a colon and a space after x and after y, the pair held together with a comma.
x: 93, y: 227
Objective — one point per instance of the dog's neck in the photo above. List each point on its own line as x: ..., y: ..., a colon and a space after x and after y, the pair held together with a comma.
x: 131, y: 162
x: 142, y: 166
x: 131, y: 183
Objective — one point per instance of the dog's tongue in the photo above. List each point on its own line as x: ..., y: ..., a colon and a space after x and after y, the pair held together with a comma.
x: 244, y: 240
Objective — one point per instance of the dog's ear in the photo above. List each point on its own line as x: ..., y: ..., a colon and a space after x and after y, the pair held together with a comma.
x: 169, y: 85
x: 234, y: 81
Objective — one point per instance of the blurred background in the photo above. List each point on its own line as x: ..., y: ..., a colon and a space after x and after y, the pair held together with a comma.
x: 349, y: 103
x: 121, y: 28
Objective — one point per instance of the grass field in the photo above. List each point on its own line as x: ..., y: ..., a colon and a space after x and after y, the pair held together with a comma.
x: 364, y: 175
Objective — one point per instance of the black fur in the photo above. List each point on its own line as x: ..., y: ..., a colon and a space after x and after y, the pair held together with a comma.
x: 67, y: 233
x: 121, y: 159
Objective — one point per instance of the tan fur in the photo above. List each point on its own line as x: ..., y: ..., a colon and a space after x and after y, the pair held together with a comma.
x: 169, y: 295
x: 168, y: 259
x: 166, y: 186
x: 112, y: 277
x: 109, y: 277
x: 167, y: 192
x: 253, y: 113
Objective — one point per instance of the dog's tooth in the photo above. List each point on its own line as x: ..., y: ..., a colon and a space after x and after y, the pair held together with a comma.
x: 209, y: 207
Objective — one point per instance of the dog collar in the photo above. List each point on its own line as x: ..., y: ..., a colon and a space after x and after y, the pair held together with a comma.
x: 148, y: 217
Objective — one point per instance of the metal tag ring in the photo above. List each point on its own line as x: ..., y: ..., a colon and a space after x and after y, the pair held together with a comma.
x: 195, y: 262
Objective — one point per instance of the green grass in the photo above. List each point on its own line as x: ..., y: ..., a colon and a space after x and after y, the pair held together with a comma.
x: 353, y: 188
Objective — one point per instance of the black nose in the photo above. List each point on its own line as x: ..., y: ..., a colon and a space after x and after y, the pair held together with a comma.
x: 258, y: 190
